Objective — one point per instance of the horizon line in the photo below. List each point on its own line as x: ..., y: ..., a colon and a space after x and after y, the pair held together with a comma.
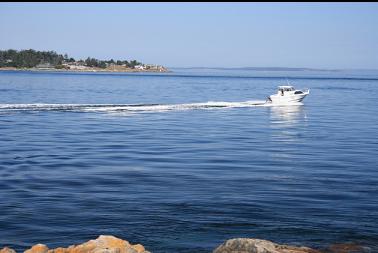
x: 273, y: 68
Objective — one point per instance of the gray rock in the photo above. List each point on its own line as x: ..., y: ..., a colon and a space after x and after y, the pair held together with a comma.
x: 246, y: 245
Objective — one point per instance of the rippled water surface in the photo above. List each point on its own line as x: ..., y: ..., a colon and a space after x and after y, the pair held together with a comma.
x: 182, y: 161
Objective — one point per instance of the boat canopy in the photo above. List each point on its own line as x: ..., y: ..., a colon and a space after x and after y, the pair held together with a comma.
x: 286, y: 88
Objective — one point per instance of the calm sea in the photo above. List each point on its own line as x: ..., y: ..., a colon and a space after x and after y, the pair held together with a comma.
x: 180, y: 161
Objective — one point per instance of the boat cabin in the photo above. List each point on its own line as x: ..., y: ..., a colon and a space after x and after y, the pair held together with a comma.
x: 286, y: 88
x: 283, y: 89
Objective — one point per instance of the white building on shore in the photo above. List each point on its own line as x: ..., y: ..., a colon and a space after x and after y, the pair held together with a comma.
x: 140, y: 67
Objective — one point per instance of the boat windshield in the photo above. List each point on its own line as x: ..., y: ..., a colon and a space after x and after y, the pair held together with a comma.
x: 286, y: 88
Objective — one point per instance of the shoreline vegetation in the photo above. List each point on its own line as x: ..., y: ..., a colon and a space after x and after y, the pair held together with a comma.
x: 112, y: 244
x: 32, y: 60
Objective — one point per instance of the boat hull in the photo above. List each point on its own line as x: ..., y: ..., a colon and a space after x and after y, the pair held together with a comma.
x: 287, y: 99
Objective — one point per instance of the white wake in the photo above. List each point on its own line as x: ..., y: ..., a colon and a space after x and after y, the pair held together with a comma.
x: 127, y: 107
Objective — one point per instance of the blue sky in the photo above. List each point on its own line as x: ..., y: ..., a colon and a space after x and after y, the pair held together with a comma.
x: 315, y: 35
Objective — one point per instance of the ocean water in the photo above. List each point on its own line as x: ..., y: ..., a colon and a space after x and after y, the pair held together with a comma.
x: 182, y: 161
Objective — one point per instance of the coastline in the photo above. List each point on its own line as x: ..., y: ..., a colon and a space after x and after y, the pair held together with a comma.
x: 88, y: 70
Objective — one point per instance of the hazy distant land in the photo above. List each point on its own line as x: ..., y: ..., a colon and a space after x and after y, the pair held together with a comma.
x: 50, y: 60
x: 263, y: 68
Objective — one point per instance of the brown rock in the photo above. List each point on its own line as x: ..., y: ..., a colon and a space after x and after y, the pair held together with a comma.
x: 38, y: 248
x: 139, y: 248
x: 245, y: 245
x: 7, y: 250
x: 293, y: 249
x: 347, y: 248
x: 58, y: 250
x: 103, y: 244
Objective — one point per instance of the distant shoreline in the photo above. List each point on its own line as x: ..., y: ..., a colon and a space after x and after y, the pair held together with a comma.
x: 88, y: 70
x: 260, y: 69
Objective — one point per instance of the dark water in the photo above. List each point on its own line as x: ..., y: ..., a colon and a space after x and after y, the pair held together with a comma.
x: 186, y: 178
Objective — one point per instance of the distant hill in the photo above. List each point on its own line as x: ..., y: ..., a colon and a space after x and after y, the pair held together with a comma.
x: 263, y: 68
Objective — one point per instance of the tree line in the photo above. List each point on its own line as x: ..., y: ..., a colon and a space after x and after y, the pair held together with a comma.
x: 93, y: 62
x: 31, y: 58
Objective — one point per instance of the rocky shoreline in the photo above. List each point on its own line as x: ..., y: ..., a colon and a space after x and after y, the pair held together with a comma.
x: 103, y: 244
x: 111, y: 244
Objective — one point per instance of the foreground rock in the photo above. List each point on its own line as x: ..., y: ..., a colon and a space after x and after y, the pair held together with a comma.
x: 245, y: 245
x: 7, y: 250
x: 348, y: 248
x: 103, y: 244
x: 111, y: 244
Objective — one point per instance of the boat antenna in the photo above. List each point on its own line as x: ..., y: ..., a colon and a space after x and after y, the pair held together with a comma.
x: 287, y: 81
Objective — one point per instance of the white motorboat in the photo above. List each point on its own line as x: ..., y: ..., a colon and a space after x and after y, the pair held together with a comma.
x: 288, y: 95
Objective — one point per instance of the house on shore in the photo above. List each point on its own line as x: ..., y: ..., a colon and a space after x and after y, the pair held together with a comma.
x: 140, y: 67
x: 46, y: 66
x: 155, y: 67
x: 75, y: 65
